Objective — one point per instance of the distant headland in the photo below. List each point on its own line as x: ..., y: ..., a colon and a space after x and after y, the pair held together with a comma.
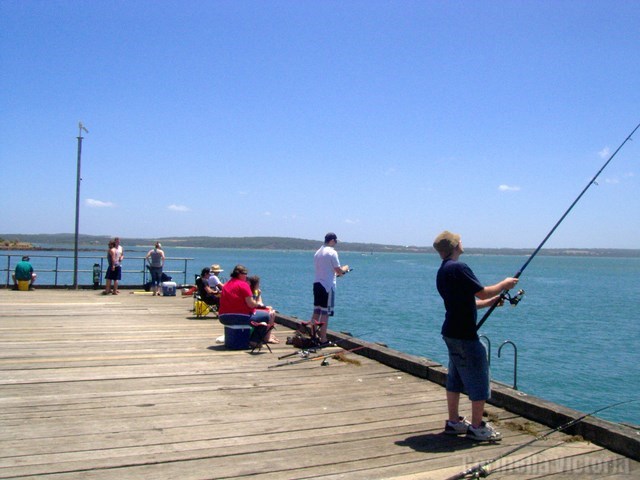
x: 61, y: 241
x: 15, y: 245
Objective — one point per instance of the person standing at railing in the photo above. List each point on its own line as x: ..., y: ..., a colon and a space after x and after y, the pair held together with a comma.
x: 119, y: 250
x: 327, y: 267
x: 463, y: 294
x: 155, y: 259
x: 114, y: 272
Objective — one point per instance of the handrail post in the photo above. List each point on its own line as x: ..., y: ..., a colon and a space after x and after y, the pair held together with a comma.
x: 488, y: 348
x: 186, y: 262
x: 515, y: 361
x: 8, y: 269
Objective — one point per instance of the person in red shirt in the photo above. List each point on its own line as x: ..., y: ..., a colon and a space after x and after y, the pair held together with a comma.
x: 237, y: 298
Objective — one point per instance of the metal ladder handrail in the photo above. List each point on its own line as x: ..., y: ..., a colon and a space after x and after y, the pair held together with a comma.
x: 515, y: 361
x: 480, y: 337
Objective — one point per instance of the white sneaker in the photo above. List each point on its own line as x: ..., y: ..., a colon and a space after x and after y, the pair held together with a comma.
x: 485, y: 432
x: 456, y: 428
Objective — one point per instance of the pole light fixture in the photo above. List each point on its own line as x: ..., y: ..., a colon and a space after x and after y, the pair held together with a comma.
x: 78, y: 180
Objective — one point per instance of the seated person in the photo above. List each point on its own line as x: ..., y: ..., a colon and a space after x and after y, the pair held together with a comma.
x: 207, y: 294
x: 237, y: 298
x: 24, y: 272
x: 254, y: 284
x: 214, y: 280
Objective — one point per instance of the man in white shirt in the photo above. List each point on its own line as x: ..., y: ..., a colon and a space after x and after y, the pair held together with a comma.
x: 327, y: 267
x: 214, y: 280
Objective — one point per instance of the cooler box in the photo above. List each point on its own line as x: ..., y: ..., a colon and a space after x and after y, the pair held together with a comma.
x: 169, y: 289
x: 23, y: 285
x: 237, y: 330
x: 236, y: 337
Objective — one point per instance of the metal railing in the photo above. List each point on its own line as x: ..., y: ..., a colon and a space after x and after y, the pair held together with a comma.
x: 515, y: 361
x: 57, y: 270
x: 487, y: 343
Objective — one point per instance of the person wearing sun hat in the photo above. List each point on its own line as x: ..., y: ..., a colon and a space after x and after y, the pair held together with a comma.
x: 214, y: 280
x: 463, y: 294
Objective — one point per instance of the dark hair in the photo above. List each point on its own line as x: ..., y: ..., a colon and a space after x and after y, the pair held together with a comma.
x: 205, y: 270
x: 239, y: 270
x: 330, y: 236
x: 253, y: 280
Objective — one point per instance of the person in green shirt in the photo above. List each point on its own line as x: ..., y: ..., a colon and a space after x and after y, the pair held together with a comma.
x: 24, y: 271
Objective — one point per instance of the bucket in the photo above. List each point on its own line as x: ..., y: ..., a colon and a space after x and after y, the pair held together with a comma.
x: 169, y: 289
x: 23, y: 285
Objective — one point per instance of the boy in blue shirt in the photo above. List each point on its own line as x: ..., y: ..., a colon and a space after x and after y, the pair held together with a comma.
x: 463, y: 294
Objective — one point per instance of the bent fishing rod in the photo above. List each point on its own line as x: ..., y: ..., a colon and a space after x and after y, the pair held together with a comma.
x: 504, y: 293
x: 481, y: 470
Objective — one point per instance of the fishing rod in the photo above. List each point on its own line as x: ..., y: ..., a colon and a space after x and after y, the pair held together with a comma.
x: 480, y: 470
x: 318, y: 357
x: 304, y: 352
x: 519, y: 272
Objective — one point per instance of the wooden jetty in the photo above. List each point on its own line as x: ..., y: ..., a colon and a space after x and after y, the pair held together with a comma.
x: 135, y: 387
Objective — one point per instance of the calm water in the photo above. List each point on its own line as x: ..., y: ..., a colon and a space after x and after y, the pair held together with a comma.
x: 575, y: 331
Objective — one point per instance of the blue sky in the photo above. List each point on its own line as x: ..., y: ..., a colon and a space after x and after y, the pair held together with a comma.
x: 385, y: 121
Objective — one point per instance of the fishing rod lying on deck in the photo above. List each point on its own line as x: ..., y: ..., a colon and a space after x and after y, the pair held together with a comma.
x: 317, y: 357
x: 504, y: 293
x: 480, y: 470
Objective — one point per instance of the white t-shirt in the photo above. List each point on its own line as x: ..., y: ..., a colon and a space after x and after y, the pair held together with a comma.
x: 119, y: 255
x: 326, y: 261
x: 214, y: 281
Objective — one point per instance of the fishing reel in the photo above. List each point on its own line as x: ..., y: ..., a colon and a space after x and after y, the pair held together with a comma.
x: 513, y: 299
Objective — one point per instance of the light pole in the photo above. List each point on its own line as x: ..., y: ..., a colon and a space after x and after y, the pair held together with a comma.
x: 78, y: 179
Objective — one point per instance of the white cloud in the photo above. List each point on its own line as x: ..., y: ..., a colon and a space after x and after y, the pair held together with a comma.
x: 604, y: 153
x: 98, y: 203
x: 352, y: 222
x: 508, y: 188
x: 614, y: 180
x: 178, y: 208
x: 267, y: 214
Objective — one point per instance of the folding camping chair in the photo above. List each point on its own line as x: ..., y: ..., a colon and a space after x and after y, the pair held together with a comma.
x: 259, y: 332
x: 200, y: 307
x: 312, y: 329
x: 307, y: 337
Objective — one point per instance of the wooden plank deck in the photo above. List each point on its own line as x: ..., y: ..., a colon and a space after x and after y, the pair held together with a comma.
x: 134, y: 387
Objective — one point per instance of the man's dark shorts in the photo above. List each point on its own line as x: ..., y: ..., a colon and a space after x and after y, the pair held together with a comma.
x: 115, y: 274
x: 320, y: 296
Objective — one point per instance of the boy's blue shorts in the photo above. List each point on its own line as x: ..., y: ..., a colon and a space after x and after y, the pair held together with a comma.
x: 468, y: 368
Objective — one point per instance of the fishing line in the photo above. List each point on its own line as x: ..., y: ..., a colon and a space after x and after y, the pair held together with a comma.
x: 519, y: 272
x: 480, y: 469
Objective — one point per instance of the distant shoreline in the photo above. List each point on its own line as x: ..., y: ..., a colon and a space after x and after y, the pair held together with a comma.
x: 34, y: 242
